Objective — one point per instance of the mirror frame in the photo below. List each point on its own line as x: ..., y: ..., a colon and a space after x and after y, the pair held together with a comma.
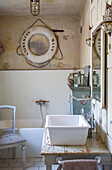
x: 103, y: 67
x: 53, y: 44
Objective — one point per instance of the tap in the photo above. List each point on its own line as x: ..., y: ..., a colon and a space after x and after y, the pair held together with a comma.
x: 79, y: 99
x: 41, y: 102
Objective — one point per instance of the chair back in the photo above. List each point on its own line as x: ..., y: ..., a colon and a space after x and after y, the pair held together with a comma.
x: 13, y: 108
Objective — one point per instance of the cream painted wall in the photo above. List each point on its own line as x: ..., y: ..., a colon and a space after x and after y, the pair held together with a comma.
x: 11, y: 29
x: 47, y: 8
x: 84, y: 48
x: 22, y: 88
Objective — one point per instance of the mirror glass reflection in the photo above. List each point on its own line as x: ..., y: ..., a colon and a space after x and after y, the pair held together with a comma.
x: 96, y: 63
x: 38, y: 44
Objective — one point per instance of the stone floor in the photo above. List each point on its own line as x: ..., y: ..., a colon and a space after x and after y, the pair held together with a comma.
x: 31, y: 164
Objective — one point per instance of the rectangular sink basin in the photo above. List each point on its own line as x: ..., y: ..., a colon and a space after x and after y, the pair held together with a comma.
x: 67, y: 129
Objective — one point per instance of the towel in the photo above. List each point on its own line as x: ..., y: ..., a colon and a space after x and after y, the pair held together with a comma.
x: 80, y: 165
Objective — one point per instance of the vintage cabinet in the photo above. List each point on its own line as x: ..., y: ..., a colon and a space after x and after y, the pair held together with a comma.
x: 80, y: 92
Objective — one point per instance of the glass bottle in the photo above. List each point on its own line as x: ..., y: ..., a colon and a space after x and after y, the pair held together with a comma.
x: 95, y: 79
x: 75, y: 79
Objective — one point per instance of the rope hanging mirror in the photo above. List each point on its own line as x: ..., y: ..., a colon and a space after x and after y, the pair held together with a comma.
x: 39, y: 45
x: 98, y: 44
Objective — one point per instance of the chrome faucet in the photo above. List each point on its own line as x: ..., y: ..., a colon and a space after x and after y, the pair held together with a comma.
x: 80, y: 99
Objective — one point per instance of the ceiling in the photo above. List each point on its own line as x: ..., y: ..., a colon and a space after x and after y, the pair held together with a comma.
x: 47, y: 7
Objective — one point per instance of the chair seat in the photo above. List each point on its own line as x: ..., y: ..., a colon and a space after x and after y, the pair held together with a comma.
x: 10, y: 138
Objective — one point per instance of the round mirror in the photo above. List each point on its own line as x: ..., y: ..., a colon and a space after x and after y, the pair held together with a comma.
x: 98, y: 44
x: 38, y: 44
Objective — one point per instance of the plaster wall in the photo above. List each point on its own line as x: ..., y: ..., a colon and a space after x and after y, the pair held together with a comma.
x: 23, y: 88
x: 47, y: 8
x: 84, y: 24
x: 11, y: 29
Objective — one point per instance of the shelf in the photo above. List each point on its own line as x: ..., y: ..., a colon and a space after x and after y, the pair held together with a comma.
x: 81, y: 88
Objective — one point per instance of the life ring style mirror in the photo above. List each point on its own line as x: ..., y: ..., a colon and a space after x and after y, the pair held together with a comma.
x: 39, y: 44
x: 98, y: 44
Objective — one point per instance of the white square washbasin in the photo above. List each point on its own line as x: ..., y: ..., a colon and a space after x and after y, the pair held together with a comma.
x: 67, y: 129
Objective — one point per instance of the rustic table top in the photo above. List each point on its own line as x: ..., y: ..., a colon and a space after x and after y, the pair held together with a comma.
x: 93, y: 146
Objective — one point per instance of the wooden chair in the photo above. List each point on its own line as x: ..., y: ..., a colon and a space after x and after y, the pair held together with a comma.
x: 9, y: 138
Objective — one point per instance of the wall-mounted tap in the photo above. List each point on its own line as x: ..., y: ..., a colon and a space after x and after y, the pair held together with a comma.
x: 80, y: 99
x: 41, y: 103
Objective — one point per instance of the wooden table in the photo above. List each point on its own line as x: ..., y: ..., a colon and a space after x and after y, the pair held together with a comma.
x: 94, y: 147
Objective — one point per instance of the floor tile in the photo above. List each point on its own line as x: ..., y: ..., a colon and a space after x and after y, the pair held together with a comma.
x: 17, y: 168
x: 4, y: 165
x: 21, y: 160
x: 10, y: 160
x: 42, y: 159
x: 34, y: 159
x: 29, y: 164
x: 6, y: 169
x: 14, y: 165
x: 39, y: 164
x: 2, y: 160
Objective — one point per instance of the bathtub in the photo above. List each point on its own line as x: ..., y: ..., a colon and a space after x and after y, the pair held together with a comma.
x: 31, y: 130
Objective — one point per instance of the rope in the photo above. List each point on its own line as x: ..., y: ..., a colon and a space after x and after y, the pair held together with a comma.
x: 59, y: 50
x: 17, y: 50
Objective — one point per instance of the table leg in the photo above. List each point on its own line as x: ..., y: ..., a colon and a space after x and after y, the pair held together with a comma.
x: 48, y: 167
x: 60, y: 167
x: 14, y: 153
x: 24, y: 156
